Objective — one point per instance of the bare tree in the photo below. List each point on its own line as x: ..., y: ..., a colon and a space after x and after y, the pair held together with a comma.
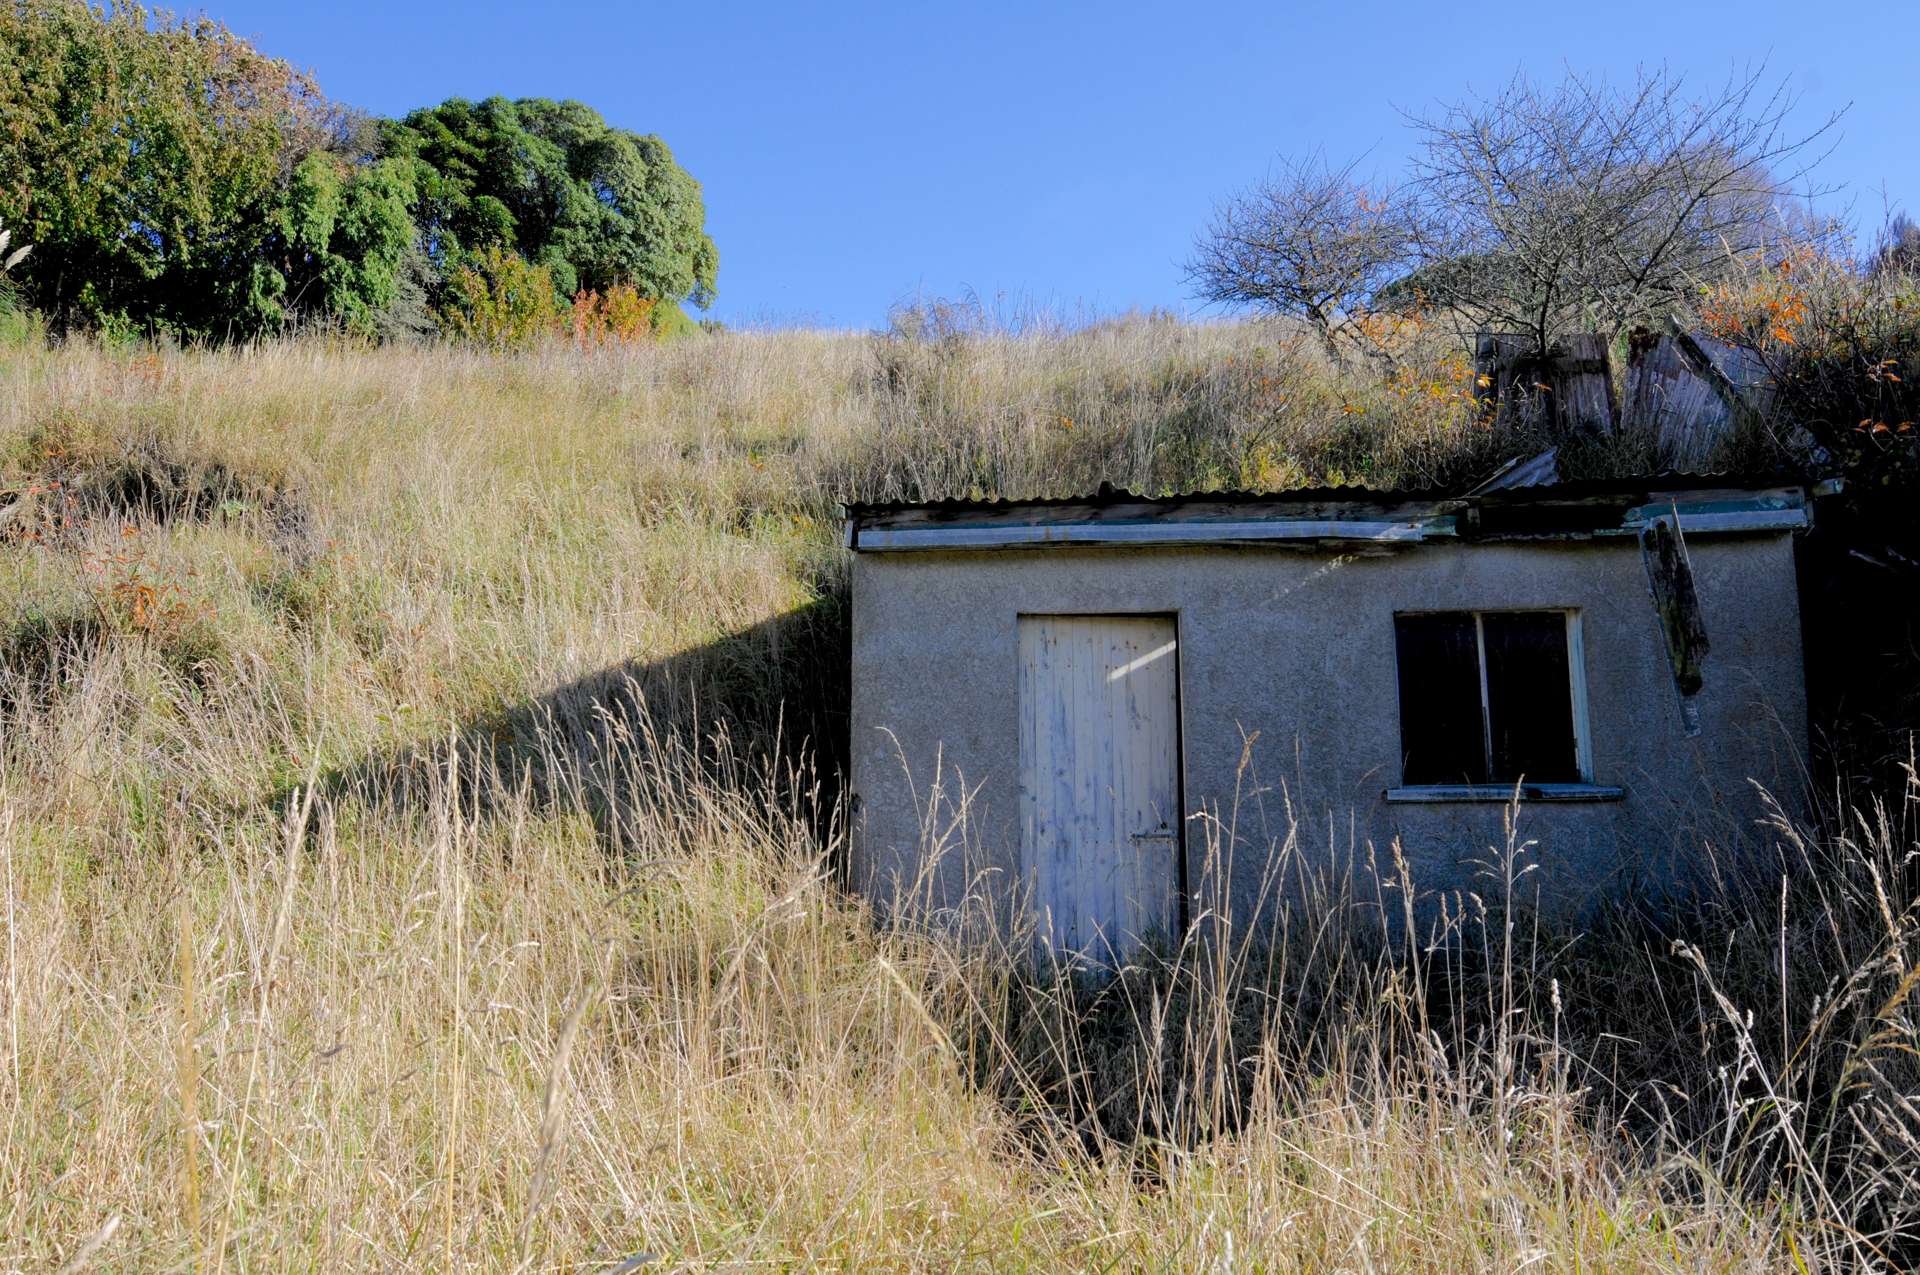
x: 1308, y: 241
x: 1587, y: 208
x: 1897, y: 248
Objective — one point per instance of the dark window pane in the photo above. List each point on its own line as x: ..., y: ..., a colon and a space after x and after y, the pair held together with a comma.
x: 1442, y: 739
x: 1529, y: 700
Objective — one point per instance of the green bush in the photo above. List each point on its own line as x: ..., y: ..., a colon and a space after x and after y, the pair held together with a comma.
x: 503, y: 301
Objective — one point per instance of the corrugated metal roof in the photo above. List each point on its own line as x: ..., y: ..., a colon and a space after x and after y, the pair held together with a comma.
x: 1666, y: 481
x: 1582, y: 509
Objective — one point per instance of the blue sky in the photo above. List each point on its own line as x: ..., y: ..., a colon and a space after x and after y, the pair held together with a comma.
x: 1059, y: 156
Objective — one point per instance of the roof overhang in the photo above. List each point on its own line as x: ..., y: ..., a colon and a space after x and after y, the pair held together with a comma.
x: 1568, y: 511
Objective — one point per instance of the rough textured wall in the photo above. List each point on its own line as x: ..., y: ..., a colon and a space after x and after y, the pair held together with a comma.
x: 1295, y: 652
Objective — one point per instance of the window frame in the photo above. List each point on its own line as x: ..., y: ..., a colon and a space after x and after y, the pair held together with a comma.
x: 1582, y: 789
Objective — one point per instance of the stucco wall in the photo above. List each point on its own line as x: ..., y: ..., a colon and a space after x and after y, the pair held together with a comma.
x: 1299, y: 647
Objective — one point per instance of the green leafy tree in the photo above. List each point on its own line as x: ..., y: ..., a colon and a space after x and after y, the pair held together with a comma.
x: 173, y: 177
x: 141, y: 155
x: 596, y: 206
x: 339, y: 241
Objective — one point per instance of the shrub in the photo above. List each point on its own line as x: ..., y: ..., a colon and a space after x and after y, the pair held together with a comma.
x: 1841, y: 348
x: 620, y: 316
x: 501, y: 300
x: 1840, y: 345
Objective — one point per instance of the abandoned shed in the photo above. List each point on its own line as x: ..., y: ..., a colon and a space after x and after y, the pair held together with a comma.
x: 1108, y: 710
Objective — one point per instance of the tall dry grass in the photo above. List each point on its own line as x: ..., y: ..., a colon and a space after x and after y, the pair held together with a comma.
x: 356, y: 916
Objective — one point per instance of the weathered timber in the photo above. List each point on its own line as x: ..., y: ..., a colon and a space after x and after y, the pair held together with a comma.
x: 1686, y: 414
x: 1563, y: 390
x: 1676, y: 604
x: 1735, y: 375
x: 1693, y: 391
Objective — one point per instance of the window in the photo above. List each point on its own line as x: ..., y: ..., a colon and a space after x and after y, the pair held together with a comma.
x: 1490, y: 697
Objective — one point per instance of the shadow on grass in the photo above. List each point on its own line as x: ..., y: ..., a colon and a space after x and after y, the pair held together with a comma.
x: 760, y: 711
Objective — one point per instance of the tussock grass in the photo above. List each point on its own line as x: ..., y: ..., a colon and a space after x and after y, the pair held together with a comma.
x: 406, y: 862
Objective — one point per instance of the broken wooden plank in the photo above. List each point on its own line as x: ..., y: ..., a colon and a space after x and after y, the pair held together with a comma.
x: 1686, y: 415
x: 1718, y: 363
x: 1676, y: 605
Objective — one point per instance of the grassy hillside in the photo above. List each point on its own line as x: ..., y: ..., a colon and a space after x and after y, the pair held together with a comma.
x: 359, y: 915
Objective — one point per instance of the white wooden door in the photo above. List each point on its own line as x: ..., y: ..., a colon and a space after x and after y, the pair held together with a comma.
x: 1100, y: 780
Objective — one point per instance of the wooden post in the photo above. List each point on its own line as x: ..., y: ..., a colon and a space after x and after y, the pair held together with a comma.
x: 1506, y: 371
x: 1582, y: 381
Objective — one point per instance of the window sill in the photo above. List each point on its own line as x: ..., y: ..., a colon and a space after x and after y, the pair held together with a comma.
x: 1503, y: 793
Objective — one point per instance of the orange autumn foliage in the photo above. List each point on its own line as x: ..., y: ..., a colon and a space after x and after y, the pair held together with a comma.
x: 1767, y: 307
x: 619, y: 316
